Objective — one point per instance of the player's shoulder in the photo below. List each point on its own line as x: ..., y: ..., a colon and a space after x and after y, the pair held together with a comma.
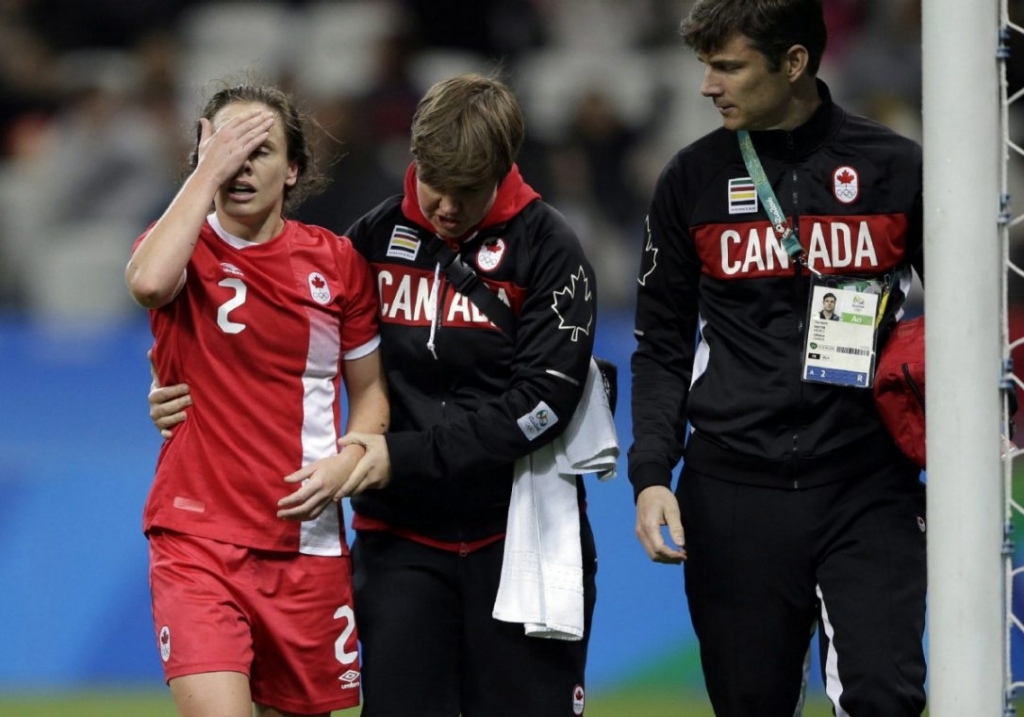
x: 314, y: 234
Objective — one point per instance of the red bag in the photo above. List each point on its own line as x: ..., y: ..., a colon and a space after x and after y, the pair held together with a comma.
x: 899, y: 387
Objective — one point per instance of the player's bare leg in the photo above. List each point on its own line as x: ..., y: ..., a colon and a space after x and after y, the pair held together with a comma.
x: 223, y: 694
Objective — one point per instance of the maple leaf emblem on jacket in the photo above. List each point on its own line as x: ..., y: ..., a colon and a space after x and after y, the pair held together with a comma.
x: 572, y: 305
x: 650, y: 259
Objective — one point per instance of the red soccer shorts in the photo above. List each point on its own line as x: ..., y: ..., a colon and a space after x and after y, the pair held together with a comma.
x: 283, y: 619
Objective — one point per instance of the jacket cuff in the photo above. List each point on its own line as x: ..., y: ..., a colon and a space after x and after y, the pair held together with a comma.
x: 403, y: 449
x: 647, y: 474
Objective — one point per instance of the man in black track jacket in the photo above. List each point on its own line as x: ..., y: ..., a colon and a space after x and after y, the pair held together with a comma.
x: 797, y: 507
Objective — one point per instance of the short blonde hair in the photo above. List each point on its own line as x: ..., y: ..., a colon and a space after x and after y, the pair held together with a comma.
x: 467, y: 132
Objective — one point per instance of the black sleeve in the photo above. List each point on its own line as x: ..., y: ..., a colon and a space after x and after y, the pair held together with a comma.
x: 666, y: 330
x: 553, y: 348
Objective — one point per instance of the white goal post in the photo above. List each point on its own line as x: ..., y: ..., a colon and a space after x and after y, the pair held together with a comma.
x: 964, y: 344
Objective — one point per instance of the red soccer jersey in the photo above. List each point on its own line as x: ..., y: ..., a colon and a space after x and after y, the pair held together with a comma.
x: 258, y: 332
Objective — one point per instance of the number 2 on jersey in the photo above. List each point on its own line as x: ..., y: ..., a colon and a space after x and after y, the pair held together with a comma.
x: 227, y: 325
x: 345, y: 658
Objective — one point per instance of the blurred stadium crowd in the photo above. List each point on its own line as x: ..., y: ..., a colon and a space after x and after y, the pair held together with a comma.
x: 97, y: 98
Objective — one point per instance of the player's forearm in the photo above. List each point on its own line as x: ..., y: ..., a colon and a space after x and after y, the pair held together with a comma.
x: 369, y: 411
x: 156, y: 271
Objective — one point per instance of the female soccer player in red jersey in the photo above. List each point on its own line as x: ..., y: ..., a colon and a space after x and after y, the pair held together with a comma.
x: 262, y: 317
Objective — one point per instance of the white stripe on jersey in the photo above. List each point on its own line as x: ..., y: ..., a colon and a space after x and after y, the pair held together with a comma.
x: 321, y: 536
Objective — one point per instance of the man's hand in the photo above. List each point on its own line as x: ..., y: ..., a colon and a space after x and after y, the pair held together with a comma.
x: 656, y: 506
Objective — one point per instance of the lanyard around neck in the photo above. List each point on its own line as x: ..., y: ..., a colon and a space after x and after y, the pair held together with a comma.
x: 783, y: 229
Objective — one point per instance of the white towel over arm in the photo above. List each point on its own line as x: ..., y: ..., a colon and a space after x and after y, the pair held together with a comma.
x: 542, y: 570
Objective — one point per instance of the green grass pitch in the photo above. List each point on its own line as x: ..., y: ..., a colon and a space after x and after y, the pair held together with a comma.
x: 630, y: 702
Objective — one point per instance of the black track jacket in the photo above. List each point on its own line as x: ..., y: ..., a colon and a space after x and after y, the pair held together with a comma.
x: 721, y: 308
x: 460, y: 420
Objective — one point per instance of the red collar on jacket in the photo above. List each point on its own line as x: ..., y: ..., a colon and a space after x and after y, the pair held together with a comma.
x: 513, y: 195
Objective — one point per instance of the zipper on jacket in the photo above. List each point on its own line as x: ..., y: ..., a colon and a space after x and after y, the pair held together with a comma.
x: 438, y: 316
x: 799, y: 299
x: 791, y: 146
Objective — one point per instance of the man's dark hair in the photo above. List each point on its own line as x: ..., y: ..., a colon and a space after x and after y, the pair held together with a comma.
x: 772, y: 26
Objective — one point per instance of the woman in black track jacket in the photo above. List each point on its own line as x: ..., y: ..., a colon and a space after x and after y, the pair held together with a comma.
x: 467, y: 399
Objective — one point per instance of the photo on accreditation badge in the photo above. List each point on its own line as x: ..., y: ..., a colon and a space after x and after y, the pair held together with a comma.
x: 840, y: 346
x: 828, y: 307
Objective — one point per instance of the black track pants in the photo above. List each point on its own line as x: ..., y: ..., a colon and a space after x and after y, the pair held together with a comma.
x: 765, y: 565
x: 431, y: 647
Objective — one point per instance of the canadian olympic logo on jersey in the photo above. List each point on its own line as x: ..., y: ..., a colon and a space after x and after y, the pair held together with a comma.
x: 165, y: 643
x: 579, y: 699
x: 491, y: 254
x: 318, y: 288
x: 846, y: 184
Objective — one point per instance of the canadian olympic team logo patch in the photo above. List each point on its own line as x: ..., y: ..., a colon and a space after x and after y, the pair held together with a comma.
x: 846, y: 184
x: 165, y: 643
x: 540, y: 419
x: 579, y: 700
x: 490, y: 254
x: 318, y: 288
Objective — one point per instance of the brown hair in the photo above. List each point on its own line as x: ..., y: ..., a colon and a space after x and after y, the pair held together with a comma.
x: 297, y: 128
x: 772, y: 26
x: 467, y: 131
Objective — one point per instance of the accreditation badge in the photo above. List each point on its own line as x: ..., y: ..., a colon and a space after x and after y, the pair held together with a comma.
x: 842, y: 331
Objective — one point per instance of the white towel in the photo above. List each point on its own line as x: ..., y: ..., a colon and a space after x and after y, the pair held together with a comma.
x: 542, y: 570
